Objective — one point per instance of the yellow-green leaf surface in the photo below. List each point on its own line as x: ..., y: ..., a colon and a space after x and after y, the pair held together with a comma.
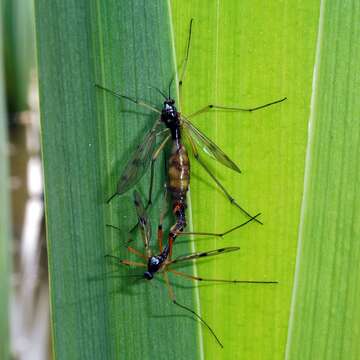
x: 4, y: 220
x: 325, y: 317
x: 246, y: 54
x: 272, y: 52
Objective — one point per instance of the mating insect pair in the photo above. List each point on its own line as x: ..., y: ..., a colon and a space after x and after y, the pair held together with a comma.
x: 174, y: 127
x: 163, y: 262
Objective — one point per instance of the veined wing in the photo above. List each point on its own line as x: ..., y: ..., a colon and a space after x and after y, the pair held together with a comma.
x: 204, y: 254
x: 139, y: 161
x: 144, y: 221
x: 209, y: 146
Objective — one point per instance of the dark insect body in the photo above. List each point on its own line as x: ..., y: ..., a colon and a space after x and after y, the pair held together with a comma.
x: 162, y: 263
x: 178, y: 169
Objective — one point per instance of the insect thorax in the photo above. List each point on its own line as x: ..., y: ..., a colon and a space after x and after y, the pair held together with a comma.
x: 154, y: 264
x: 170, y: 115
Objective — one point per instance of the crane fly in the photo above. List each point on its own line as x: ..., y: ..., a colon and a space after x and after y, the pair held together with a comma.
x: 163, y: 263
x: 172, y: 126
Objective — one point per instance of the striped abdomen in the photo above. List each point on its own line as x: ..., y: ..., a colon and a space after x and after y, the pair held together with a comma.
x: 179, y: 172
x: 179, y: 178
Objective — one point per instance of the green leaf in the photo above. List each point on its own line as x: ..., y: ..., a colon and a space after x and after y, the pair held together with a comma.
x: 325, y: 316
x: 97, y: 310
x: 4, y: 220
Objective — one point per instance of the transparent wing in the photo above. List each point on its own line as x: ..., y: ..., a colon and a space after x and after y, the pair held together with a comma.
x: 144, y: 221
x: 204, y: 254
x: 208, y: 146
x: 139, y: 161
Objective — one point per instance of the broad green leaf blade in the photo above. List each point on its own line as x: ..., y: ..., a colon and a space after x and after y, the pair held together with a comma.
x: 325, y: 318
x: 98, y: 311
x: 4, y: 220
x: 246, y: 54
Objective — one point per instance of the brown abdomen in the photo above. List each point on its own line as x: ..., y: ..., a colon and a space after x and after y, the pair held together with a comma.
x: 179, y: 171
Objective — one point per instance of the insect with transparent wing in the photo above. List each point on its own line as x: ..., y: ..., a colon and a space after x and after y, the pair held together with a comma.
x: 173, y: 127
x: 163, y: 263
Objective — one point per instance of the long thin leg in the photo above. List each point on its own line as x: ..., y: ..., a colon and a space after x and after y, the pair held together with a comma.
x: 117, y: 228
x: 230, y: 198
x: 219, y: 234
x: 160, y: 226
x: 136, y: 252
x: 127, y: 262
x: 160, y: 234
x: 230, y: 108
x: 129, y: 248
x: 173, y: 299
x: 132, y: 263
x: 197, y: 278
x: 113, y: 226
x: 152, y: 167
x: 133, y: 100
x: 144, y: 222
x: 154, y: 157
x: 111, y: 197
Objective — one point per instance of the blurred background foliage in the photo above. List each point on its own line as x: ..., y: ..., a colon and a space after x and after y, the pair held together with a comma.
x: 19, y: 51
x: 24, y: 290
x: 4, y: 217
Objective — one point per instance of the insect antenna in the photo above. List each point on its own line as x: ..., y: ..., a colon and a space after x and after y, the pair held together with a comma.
x: 114, y: 93
x: 171, y: 81
x: 158, y: 90
x: 201, y: 320
x: 133, y: 100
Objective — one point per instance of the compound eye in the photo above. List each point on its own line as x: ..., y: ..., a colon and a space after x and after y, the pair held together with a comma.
x: 154, y: 261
